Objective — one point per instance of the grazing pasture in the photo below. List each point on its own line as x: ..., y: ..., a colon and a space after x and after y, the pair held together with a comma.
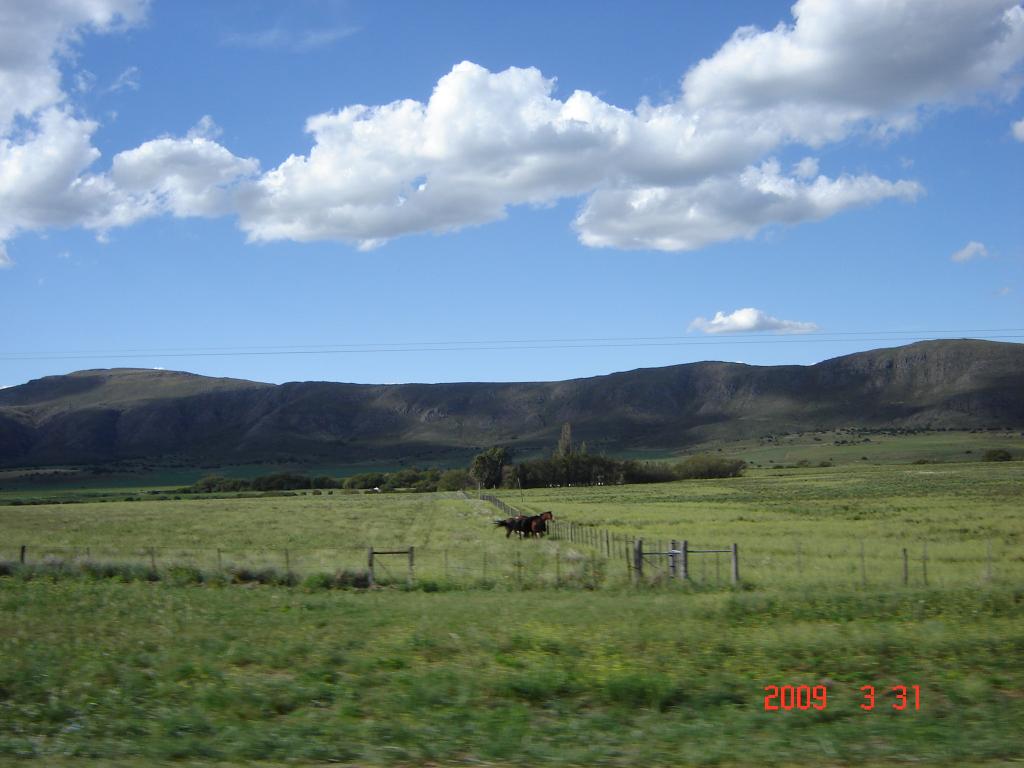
x: 137, y: 673
x: 498, y: 666
x: 795, y: 527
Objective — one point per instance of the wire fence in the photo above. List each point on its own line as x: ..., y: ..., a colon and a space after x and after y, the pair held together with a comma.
x: 556, y: 562
x: 570, y: 554
x: 789, y: 563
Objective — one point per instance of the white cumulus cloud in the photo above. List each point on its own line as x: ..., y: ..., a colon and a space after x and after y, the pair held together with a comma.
x: 46, y: 169
x: 185, y: 177
x: 34, y: 33
x: 677, y: 176
x: 1018, y: 130
x: 973, y: 250
x: 724, y: 207
x: 749, y: 320
x: 806, y: 168
x: 843, y: 61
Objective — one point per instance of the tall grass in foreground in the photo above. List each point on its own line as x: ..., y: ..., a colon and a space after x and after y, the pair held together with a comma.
x: 139, y: 672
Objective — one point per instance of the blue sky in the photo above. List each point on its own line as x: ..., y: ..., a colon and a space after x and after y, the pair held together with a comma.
x: 190, y: 185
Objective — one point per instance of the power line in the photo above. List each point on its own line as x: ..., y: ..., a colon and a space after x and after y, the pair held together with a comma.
x: 510, y: 345
x: 384, y: 346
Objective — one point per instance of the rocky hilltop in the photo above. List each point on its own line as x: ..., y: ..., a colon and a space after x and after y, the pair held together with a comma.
x: 109, y: 415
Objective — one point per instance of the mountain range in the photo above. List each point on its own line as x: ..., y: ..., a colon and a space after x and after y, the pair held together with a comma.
x: 99, y: 416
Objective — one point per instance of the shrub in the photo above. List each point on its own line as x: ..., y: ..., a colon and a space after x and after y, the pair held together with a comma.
x: 244, y: 575
x: 342, y: 579
x: 183, y: 575
x: 997, y: 454
x: 704, y: 467
x: 317, y: 581
x: 347, y: 578
x: 453, y: 480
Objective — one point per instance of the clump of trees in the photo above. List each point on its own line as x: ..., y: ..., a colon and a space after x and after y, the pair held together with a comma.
x: 704, y: 467
x: 281, y: 481
x: 413, y: 478
x: 569, y: 464
x: 487, y: 467
x: 572, y: 464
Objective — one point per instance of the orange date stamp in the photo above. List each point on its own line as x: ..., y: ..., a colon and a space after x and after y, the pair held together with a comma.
x: 786, y: 698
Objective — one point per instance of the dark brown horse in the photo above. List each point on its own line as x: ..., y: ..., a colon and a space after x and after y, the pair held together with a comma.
x: 512, y: 524
x: 539, y: 524
x: 526, y: 526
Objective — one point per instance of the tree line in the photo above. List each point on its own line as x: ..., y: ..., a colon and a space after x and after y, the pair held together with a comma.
x: 569, y: 464
x: 414, y: 479
x: 572, y: 464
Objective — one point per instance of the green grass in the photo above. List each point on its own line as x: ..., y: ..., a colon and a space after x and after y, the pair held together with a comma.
x: 141, y: 673
x: 803, y: 526
x: 98, y: 663
x: 76, y: 482
x: 871, y: 447
x: 795, y: 527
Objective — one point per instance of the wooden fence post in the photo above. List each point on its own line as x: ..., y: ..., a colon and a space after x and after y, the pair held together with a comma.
x: 152, y: 558
x: 673, y: 559
x: 412, y: 560
x: 924, y: 564
x: 638, y: 559
x: 735, y: 563
x: 369, y: 566
x: 22, y: 556
x: 863, y: 566
x: 906, y: 568
x: 686, y: 561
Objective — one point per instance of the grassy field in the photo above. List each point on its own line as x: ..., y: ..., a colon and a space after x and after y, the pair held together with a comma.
x: 140, y: 673
x: 870, y: 447
x: 808, y: 525
x: 838, y: 447
x: 491, y: 669
x: 795, y: 527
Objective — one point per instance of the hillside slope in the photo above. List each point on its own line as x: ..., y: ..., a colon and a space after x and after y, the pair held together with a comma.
x: 105, y: 415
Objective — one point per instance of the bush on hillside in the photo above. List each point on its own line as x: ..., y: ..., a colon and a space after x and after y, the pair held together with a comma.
x: 704, y: 467
x: 454, y: 480
x: 997, y: 454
